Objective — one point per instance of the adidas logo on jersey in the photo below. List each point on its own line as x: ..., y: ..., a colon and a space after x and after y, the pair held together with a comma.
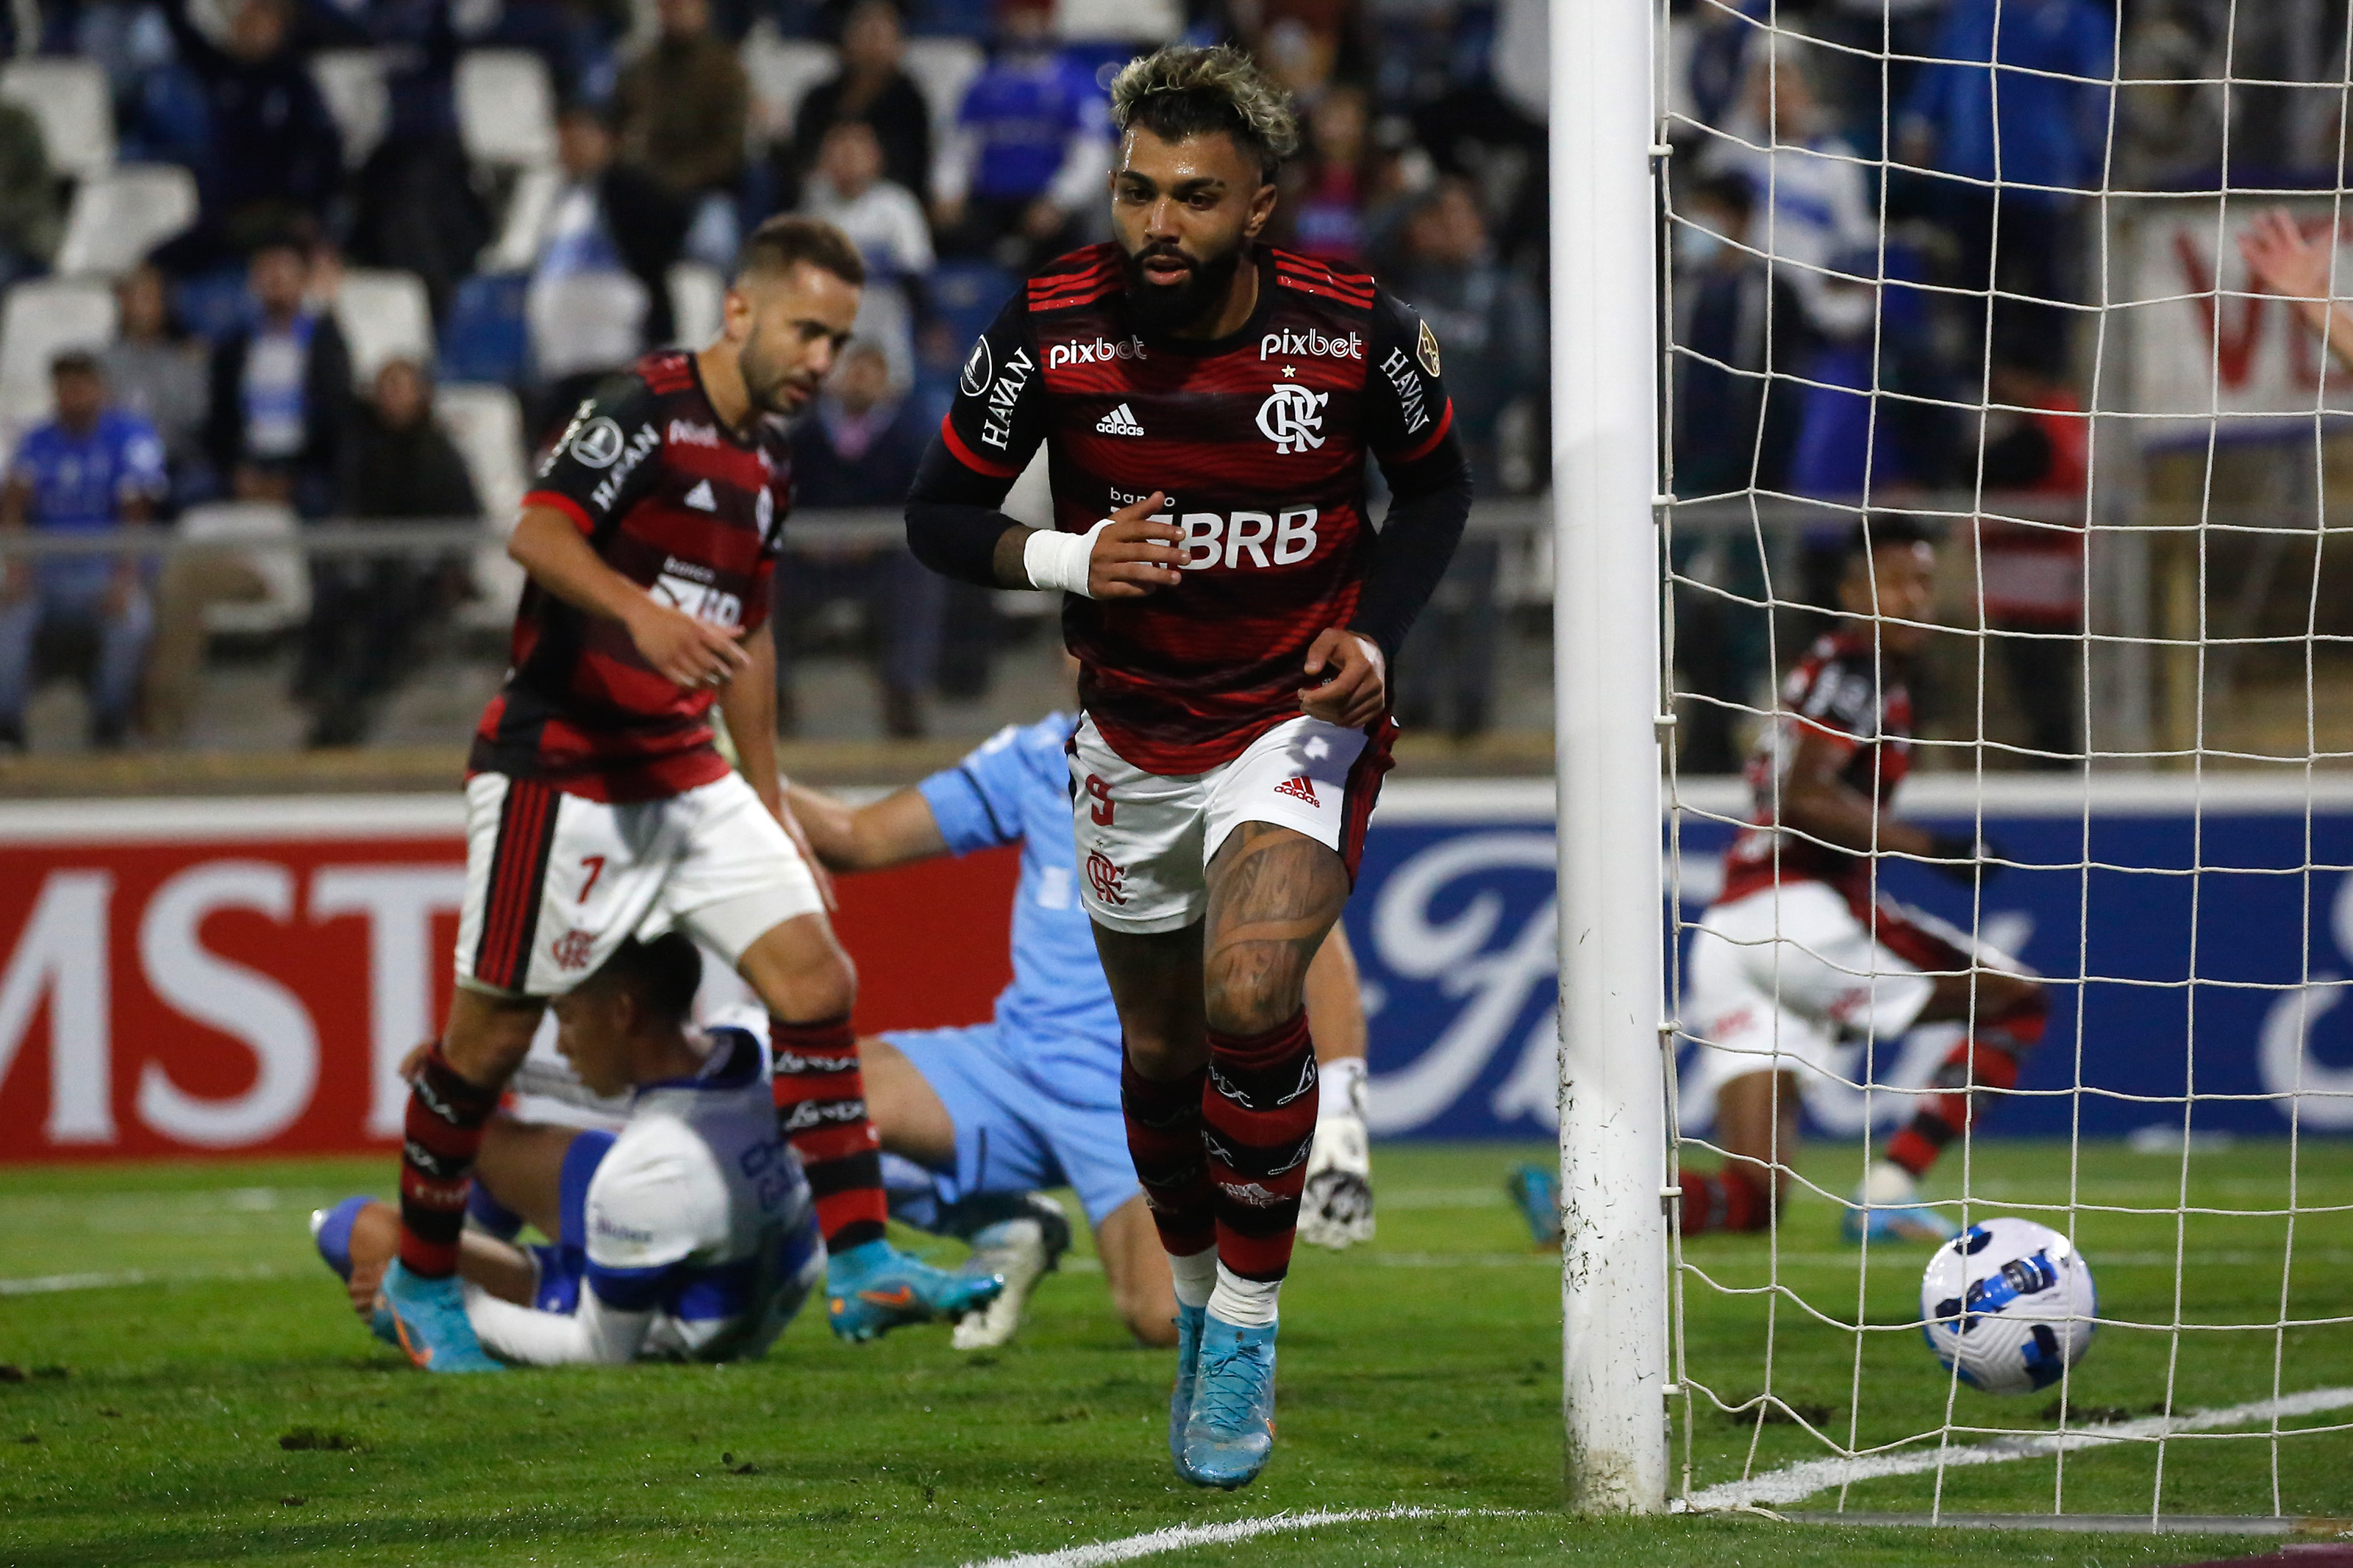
x: 1119, y: 421
x: 1299, y: 788
x: 700, y: 499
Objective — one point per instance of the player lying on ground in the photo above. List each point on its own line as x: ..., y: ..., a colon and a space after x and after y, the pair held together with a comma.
x: 1208, y: 404
x: 1801, y: 951
x: 990, y: 1113
x: 688, y: 1234
x: 599, y: 808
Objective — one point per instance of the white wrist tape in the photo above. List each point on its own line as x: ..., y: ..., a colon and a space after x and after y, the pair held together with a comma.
x: 1058, y: 560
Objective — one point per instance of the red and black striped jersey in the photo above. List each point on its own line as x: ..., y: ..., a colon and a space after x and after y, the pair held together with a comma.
x: 674, y: 500
x: 1259, y: 442
x: 1845, y: 693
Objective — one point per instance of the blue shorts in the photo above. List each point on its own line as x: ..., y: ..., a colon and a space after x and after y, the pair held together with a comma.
x: 1013, y: 1136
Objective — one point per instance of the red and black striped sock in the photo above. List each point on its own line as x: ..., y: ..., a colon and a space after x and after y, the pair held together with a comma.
x: 1733, y: 1198
x: 1164, y: 1140
x: 1982, y: 1066
x: 821, y: 1111
x: 440, y: 1137
x: 1258, y: 1114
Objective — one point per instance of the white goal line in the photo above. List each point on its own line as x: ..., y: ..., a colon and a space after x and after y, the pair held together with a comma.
x: 1796, y: 1482
x: 1178, y: 1537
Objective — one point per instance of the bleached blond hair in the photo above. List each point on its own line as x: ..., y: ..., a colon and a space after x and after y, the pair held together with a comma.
x: 1182, y: 90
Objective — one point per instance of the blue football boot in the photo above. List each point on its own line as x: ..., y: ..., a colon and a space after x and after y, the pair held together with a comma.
x: 428, y: 1318
x: 331, y: 1230
x: 1181, y: 1398
x: 1887, y: 1207
x: 1536, y: 1193
x: 874, y: 1288
x: 1231, y: 1431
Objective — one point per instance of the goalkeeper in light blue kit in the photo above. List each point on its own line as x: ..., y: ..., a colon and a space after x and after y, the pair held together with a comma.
x: 980, y: 1117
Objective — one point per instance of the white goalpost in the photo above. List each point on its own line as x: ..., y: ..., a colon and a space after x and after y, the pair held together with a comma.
x: 2135, y: 702
x: 1613, y: 1131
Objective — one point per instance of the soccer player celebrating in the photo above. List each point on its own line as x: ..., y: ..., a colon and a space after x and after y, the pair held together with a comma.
x: 1208, y: 404
x: 599, y: 808
x: 994, y: 1111
x: 687, y: 1234
x: 1800, y: 949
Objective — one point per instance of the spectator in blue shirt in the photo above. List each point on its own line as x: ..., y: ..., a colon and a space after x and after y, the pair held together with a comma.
x: 1029, y: 148
x: 280, y: 391
x: 2032, y: 115
x: 91, y: 469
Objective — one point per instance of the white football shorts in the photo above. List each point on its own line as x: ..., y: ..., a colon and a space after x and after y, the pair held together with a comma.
x: 1776, y: 980
x: 555, y: 882
x: 1145, y: 841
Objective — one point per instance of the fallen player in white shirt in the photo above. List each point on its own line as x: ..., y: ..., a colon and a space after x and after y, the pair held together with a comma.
x: 688, y: 1234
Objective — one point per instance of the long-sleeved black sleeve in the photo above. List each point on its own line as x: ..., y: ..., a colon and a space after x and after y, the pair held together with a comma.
x: 1412, y: 436
x: 1429, y: 506
x: 994, y: 425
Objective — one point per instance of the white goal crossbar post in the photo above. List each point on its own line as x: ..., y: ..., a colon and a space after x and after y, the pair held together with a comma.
x: 1606, y: 611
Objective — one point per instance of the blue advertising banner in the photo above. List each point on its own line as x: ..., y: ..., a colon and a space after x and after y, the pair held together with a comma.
x: 2197, y: 940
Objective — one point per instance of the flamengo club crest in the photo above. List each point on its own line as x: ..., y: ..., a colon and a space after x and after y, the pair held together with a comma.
x: 1288, y: 417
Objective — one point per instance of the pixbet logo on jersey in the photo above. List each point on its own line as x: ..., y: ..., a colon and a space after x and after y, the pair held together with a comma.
x: 1311, y: 343
x: 1289, y: 418
x: 1099, y: 351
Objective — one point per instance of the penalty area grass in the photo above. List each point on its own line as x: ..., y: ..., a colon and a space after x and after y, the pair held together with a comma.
x: 187, y: 1386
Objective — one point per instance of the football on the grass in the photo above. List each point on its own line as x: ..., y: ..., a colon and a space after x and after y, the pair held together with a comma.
x: 2008, y: 1304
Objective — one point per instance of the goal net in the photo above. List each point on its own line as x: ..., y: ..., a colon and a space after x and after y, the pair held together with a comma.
x: 2006, y: 438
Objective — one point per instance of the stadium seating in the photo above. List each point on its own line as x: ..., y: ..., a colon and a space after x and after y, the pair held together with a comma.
x: 69, y: 99
x: 486, y: 423
x: 943, y: 69
x: 782, y: 71
x: 698, y: 298
x: 385, y: 315
x: 1126, y: 21
x: 506, y: 108
x: 286, y: 598
x: 352, y: 82
x: 529, y: 202
x: 120, y: 214
x: 40, y: 320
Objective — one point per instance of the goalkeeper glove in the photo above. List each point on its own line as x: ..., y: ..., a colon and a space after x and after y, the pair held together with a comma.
x: 1965, y: 857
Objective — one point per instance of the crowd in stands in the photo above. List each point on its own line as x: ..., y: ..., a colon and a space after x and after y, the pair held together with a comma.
x: 1882, y: 264
x: 388, y: 195
x: 358, y: 207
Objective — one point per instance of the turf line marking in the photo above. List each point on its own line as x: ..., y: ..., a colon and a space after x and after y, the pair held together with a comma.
x: 1801, y: 1480
x: 50, y: 1284
x: 1178, y: 1537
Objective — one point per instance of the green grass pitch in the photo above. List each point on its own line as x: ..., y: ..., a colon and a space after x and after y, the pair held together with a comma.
x: 225, y: 1406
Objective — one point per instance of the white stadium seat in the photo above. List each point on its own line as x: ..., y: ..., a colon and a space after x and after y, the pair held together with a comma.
x: 698, y: 298
x: 943, y: 69
x: 286, y: 581
x: 782, y: 71
x: 528, y: 206
x: 40, y: 320
x: 119, y: 217
x: 485, y: 421
x: 352, y: 82
x: 506, y: 109
x: 385, y: 316
x: 69, y: 99
x: 1130, y: 21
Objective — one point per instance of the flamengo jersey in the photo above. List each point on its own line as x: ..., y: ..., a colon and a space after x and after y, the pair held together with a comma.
x: 671, y: 500
x: 1841, y: 691
x: 1259, y: 440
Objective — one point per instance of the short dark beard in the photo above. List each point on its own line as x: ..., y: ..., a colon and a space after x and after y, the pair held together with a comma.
x: 1158, y: 309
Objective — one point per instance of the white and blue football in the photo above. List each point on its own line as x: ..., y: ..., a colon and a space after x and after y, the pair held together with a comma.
x: 2008, y: 1304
